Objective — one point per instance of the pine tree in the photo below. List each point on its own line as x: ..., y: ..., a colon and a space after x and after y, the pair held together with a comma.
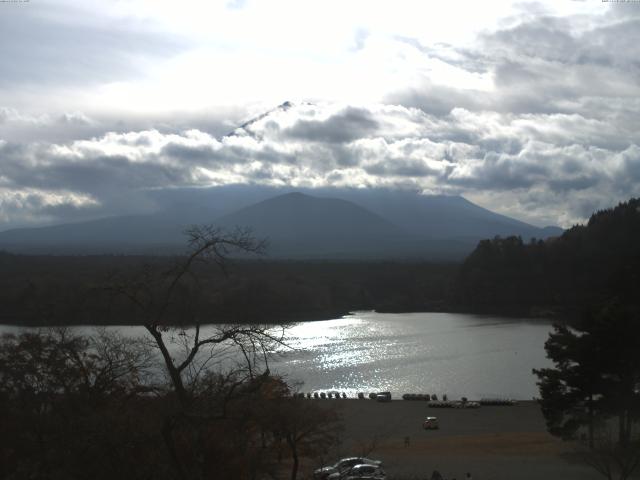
x: 596, y: 374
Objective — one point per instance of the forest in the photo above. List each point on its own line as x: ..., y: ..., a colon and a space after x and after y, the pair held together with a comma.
x: 562, y: 276
x: 72, y: 290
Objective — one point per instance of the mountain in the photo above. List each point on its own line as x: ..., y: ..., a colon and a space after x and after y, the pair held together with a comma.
x: 297, y: 224
x: 126, y: 234
x: 442, y: 216
x: 322, y: 223
x: 436, y: 216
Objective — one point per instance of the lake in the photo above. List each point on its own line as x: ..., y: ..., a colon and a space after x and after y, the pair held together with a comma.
x: 457, y: 354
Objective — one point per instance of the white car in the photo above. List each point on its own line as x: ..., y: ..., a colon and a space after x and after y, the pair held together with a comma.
x: 343, y: 466
x: 362, y: 472
x: 431, y: 423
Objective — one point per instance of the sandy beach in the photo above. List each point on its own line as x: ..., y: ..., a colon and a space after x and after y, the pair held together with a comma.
x: 492, y: 442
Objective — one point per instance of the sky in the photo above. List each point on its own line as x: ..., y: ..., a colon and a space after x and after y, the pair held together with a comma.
x: 530, y: 109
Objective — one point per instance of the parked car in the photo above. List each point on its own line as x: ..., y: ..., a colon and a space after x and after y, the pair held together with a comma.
x: 342, y: 466
x: 383, y: 396
x: 361, y: 472
x: 431, y: 423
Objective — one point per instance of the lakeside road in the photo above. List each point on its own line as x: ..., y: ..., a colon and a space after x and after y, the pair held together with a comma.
x: 491, y: 442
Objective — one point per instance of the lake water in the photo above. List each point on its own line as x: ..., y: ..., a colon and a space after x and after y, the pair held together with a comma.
x: 457, y: 354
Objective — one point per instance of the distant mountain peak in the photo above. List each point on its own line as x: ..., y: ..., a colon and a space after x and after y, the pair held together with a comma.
x: 295, y: 194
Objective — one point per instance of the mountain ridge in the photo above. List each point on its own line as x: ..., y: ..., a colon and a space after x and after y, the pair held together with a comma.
x: 347, y: 224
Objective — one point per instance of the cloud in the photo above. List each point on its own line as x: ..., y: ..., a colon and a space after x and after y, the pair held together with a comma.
x: 33, y: 206
x: 45, y: 43
x: 536, y: 118
x: 342, y: 127
x: 541, y: 64
x: 486, y: 155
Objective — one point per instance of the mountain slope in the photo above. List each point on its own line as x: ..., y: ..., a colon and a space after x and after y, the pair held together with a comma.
x: 443, y: 216
x: 322, y: 223
x: 127, y: 234
x: 436, y: 216
x: 298, y: 224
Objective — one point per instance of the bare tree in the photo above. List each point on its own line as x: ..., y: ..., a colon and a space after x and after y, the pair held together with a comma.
x: 172, y: 307
x: 168, y: 304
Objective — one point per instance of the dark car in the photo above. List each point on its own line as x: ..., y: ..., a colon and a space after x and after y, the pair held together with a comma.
x: 383, y: 396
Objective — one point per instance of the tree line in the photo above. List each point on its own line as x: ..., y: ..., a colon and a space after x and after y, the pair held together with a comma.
x: 68, y: 290
x: 587, y: 265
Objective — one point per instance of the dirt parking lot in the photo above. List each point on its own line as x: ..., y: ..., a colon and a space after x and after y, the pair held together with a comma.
x: 492, y: 443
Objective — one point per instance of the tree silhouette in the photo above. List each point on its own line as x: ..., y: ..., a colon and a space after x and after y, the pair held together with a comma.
x: 596, y: 377
x: 169, y: 305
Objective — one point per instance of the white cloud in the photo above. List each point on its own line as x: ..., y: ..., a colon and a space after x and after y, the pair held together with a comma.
x: 529, y: 108
x: 494, y: 158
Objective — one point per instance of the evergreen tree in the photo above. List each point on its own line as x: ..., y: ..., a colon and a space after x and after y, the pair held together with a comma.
x: 596, y: 374
x: 570, y: 391
x: 586, y: 265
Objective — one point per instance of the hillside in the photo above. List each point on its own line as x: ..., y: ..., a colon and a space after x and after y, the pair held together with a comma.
x: 586, y: 265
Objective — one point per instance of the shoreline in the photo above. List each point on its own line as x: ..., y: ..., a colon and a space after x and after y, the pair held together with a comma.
x: 302, y: 318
